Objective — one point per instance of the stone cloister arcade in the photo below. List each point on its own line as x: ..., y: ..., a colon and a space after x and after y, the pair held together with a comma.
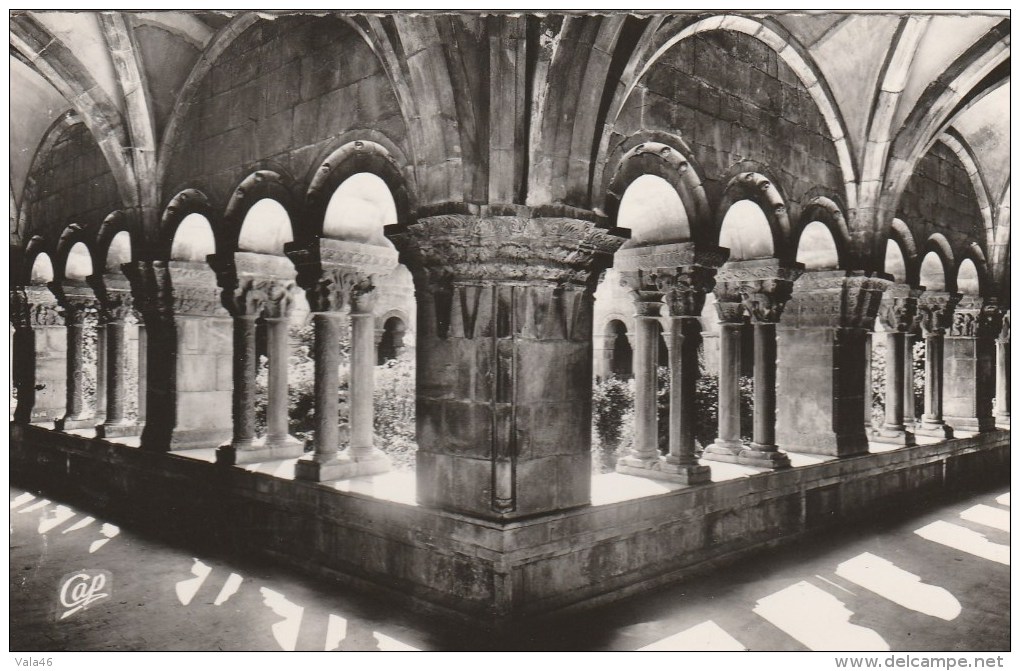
x: 200, y: 180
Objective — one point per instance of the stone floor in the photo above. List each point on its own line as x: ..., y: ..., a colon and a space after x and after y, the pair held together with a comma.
x: 935, y: 580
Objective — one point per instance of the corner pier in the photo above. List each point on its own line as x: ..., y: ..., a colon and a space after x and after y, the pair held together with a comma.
x: 367, y: 532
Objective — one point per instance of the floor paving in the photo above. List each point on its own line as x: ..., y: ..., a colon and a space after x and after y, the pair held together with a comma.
x: 922, y: 579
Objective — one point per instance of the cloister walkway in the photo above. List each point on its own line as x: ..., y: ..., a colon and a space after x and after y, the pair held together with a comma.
x: 920, y: 580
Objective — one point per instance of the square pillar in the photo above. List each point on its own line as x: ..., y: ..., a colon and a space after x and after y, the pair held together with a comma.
x: 821, y: 351
x: 969, y: 357
x: 504, y: 360
x: 39, y: 356
x: 1002, y: 387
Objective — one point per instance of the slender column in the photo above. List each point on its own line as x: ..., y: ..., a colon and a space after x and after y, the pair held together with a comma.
x: 763, y: 451
x: 646, y: 434
x: 894, y: 354
x: 75, y: 415
x: 684, y: 339
x: 935, y: 310
x: 115, y: 306
x: 336, y: 287
x: 909, y: 412
x: 1003, y: 371
x: 143, y: 357
x: 898, y: 314
x: 727, y: 445
x: 101, y: 346
x: 277, y: 413
x: 362, y: 377
x: 245, y: 369
x: 869, y: 396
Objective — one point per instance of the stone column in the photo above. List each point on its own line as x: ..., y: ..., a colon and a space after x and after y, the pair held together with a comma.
x: 1002, y: 372
x: 644, y: 453
x: 143, y: 357
x: 257, y: 286
x: 909, y: 411
x: 603, y: 355
x: 679, y: 276
x: 728, y: 445
x: 336, y: 274
x: 935, y: 313
x: 970, y: 364
x: 116, y: 305
x: 504, y: 360
x: 821, y: 344
x: 100, y: 414
x: 764, y: 286
x: 76, y: 311
x: 684, y: 294
x: 898, y: 314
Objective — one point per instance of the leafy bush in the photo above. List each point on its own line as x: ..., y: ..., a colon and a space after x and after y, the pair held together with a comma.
x: 394, y: 411
x: 612, y: 422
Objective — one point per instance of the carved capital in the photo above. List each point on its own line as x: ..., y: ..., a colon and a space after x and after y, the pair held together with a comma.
x: 935, y: 311
x: 336, y: 287
x: 467, y: 248
x: 762, y: 286
x: 683, y: 288
x: 898, y: 310
x: 976, y: 317
x: 34, y: 307
x: 731, y: 312
x: 262, y: 297
x: 835, y: 299
x: 115, y: 306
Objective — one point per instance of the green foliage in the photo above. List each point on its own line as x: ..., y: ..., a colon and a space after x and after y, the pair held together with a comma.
x: 612, y: 421
x: 394, y: 411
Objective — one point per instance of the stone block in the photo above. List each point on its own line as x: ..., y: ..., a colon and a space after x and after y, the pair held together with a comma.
x: 196, y: 372
x: 203, y: 409
x: 224, y: 373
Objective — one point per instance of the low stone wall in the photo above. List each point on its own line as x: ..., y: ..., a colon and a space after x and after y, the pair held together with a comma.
x: 483, y: 571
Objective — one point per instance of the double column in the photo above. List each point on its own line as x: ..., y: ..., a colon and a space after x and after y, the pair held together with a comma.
x: 898, y: 316
x: 677, y: 276
x: 935, y: 314
x: 970, y: 364
x: 760, y: 289
x: 77, y: 309
x: 115, y: 306
x: 338, y: 274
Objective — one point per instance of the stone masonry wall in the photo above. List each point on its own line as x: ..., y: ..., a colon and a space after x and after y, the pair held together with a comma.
x: 733, y: 99
x: 73, y: 185
x: 284, y: 91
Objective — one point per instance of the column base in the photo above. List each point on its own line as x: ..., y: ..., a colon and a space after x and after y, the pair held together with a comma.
x: 69, y: 423
x: 117, y: 430
x: 232, y: 455
x: 340, y: 466
x: 771, y: 458
x: 724, y: 450
x: 973, y: 424
x: 1002, y: 418
x: 661, y: 469
x: 891, y: 436
x: 934, y: 430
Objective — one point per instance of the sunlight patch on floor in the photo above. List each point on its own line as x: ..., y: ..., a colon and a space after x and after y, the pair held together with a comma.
x: 707, y: 636
x: 188, y: 588
x: 902, y: 587
x: 286, y: 630
x: 965, y: 540
x: 817, y: 619
x: 990, y: 517
x: 1002, y: 499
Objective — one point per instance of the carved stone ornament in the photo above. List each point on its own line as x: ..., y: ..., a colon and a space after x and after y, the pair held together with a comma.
x: 33, y: 307
x: 468, y: 248
x: 976, y: 317
x: 834, y: 299
x: 898, y: 311
x: 337, y: 287
x: 935, y: 311
x: 115, y: 306
x: 684, y: 288
x: 762, y: 286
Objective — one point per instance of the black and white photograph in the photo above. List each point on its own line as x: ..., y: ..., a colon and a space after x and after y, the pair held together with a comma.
x: 522, y: 330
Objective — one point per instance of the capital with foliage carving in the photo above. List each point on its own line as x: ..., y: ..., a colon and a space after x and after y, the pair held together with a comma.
x: 898, y: 310
x: 935, y: 311
x: 761, y: 286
